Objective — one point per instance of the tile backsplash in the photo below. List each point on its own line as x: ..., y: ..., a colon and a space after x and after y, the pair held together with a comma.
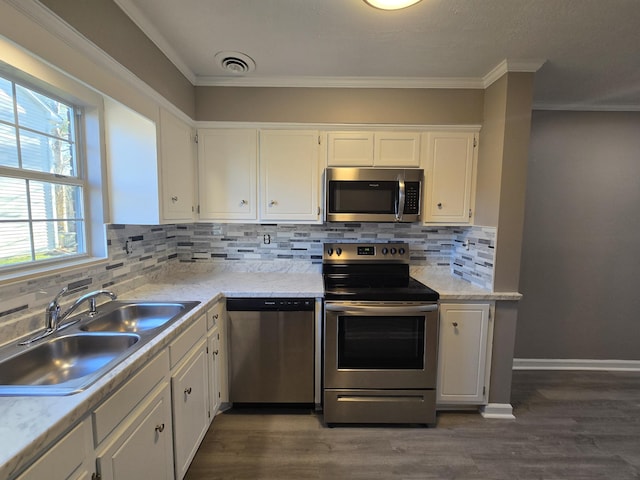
x: 136, y: 252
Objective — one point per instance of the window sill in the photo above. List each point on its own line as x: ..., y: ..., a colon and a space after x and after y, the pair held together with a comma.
x: 41, y: 271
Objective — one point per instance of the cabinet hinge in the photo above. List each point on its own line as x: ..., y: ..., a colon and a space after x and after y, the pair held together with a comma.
x: 195, y: 138
x: 218, y: 336
x: 219, y: 395
x: 475, y: 142
x: 198, y: 209
x: 469, y: 213
x: 318, y: 139
x: 207, y: 350
x: 484, y: 391
x: 208, y: 413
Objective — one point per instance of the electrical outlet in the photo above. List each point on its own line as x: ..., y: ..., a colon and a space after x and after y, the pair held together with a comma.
x: 266, y: 239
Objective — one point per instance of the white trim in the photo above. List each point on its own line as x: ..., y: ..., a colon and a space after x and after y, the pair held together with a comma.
x: 50, y: 22
x: 342, y: 82
x: 507, y: 65
x: 338, y: 126
x: 144, y: 24
x: 575, y: 364
x: 497, y: 411
x: 586, y: 107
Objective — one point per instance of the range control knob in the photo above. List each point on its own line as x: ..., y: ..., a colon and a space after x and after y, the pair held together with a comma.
x: 393, y: 251
x: 338, y: 251
x: 385, y: 250
x: 330, y: 251
x: 401, y: 251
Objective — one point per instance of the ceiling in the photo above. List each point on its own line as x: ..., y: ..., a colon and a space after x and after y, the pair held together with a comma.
x: 585, y: 52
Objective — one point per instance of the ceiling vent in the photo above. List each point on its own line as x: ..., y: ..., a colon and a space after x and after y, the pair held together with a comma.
x: 235, y: 62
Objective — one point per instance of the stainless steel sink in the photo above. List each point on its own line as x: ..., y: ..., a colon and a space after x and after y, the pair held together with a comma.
x: 134, y: 317
x: 70, y: 360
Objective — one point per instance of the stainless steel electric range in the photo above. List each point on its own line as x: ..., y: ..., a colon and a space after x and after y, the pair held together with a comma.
x: 380, y: 337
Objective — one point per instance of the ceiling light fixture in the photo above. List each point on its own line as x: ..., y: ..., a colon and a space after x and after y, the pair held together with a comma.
x: 391, y: 4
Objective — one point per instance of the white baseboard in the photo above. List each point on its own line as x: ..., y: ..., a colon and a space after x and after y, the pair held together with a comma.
x: 498, y: 411
x: 575, y: 364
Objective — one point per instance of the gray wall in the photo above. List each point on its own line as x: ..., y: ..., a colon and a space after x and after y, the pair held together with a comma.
x: 581, y: 256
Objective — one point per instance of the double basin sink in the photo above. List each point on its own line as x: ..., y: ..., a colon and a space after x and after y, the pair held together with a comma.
x: 71, y: 359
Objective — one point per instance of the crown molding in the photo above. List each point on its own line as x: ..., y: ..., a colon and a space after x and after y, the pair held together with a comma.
x: 341, y: 82
x: 507, y: 65
x: 144, y: 24
x: 585, y: 107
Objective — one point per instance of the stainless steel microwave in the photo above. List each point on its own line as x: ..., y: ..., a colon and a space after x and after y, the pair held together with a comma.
x: 373, y: 194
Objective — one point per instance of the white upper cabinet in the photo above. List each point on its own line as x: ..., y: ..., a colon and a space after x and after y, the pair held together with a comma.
x: 396, y: 149
x: 178, y: 159
x: 373, y: 149
x: 150, y: 167
x: 228, y: 174
x: 450, y: 160
x: 350, y: 149
x: 289, y: 175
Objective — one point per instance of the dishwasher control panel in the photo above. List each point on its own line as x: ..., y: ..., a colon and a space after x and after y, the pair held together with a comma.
x: 270, y: 304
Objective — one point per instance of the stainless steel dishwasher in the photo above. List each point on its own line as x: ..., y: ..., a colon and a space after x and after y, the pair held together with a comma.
x: 271, y: 350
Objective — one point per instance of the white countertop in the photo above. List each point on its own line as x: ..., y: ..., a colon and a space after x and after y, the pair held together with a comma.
x: 30, y: 424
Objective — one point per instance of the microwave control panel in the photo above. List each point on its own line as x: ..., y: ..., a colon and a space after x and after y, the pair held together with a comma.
x: 412, y: 198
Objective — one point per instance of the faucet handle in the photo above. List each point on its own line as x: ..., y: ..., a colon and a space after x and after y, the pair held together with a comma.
x: 60, y: 294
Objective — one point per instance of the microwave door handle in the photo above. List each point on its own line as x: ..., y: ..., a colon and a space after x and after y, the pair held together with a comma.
x: 401, y: 197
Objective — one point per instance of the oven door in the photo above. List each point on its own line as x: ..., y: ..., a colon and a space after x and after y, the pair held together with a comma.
x: 375, y: 345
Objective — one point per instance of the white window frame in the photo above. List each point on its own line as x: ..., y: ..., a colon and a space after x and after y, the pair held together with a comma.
x: 25, y: 69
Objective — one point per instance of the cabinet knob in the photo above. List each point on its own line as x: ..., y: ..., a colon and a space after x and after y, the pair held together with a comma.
x: 160, y: 428
x: 187, y: 391
x: 215, y: 352
x: 215, y: 317
x: 174, y: 199
x: 273, y: 203
x: 440, y: 205
x: 455, y: 324
x: 243, y: 202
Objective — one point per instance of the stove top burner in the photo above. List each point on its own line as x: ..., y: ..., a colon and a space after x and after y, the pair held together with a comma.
x: 364, y: 272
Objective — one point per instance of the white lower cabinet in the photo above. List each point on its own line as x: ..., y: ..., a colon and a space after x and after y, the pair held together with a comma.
x: 190, y: 395
x: 464, y: 354
x: 144, y: 448
x: 68, y: 459
x: 213, y: 350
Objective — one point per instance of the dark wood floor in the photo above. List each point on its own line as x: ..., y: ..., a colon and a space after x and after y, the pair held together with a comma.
x: 569, y: 425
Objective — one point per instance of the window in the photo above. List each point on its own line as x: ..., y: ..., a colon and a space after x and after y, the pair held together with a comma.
x: 42, y: 181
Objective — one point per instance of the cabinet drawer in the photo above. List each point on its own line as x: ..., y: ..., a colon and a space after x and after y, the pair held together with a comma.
x: 179, y: 348
x: 109, y: 415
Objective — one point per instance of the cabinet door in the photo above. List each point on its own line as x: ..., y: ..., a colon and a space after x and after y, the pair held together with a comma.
x: 190, y: 396
x: 213, y: 348
x: 67, y: 459
x: 462, y: 353
x: 177, y: 153
x: 449, y: 173
x: 228, y: 174
x: 145, y: 448
x: 397, y: 149
x: 289, y: 177
x: 350, y: 149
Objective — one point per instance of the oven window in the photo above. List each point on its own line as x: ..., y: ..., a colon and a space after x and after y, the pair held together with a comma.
x: 381, y: 342
x: 362, y: 197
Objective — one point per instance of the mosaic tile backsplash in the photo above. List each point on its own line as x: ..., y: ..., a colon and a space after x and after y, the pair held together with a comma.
x: 468, y: 251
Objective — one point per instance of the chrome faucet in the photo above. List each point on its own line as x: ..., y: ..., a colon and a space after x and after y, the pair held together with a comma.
x: 53, y: 318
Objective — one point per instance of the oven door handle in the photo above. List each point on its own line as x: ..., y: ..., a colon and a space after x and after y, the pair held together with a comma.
x: 380, y: 310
